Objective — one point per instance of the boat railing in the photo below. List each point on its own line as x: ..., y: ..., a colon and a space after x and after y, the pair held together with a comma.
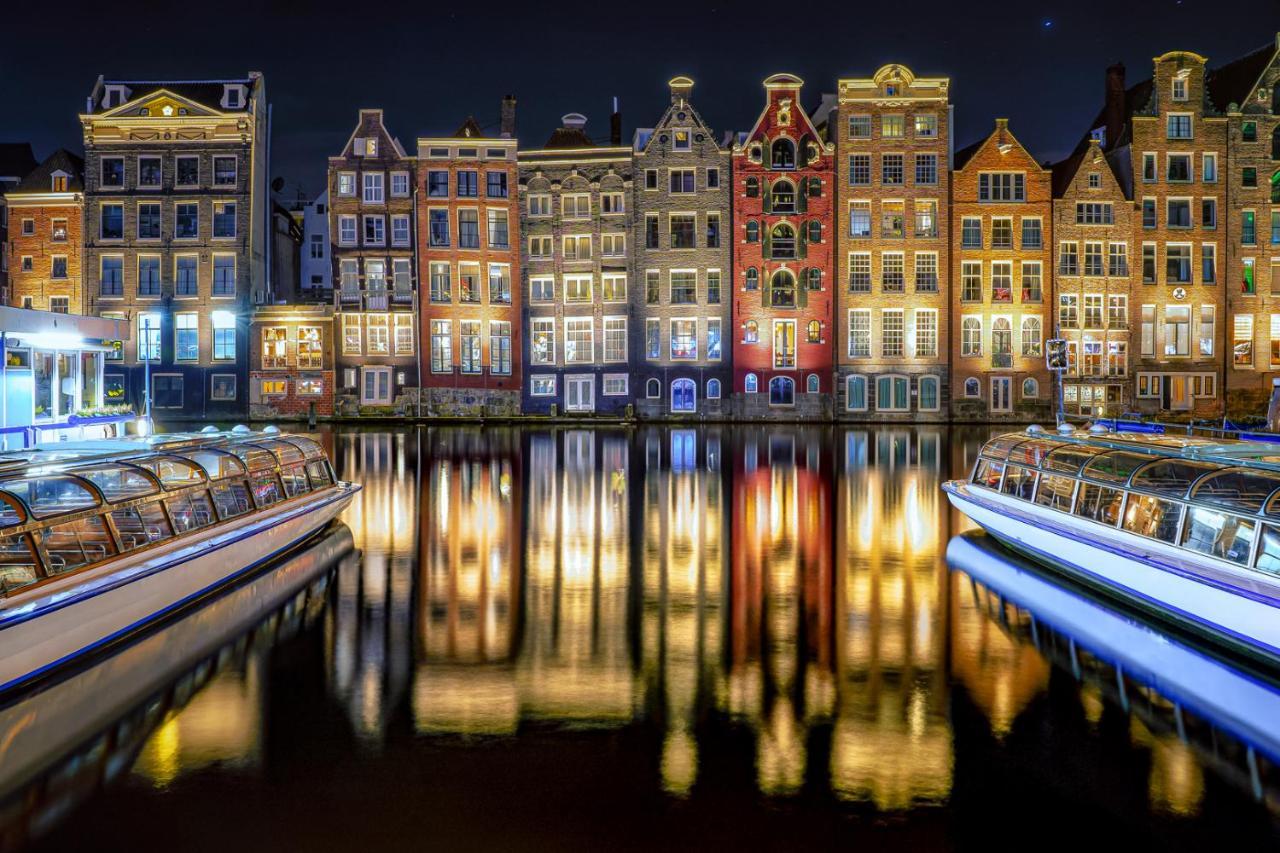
x: 1139, y: 423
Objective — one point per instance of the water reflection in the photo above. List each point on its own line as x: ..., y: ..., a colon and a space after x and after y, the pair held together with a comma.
x: 646, y: 619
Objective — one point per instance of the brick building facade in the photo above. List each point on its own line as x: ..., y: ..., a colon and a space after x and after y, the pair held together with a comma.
x: 375, y: 290
x: 577, y: 318
x: 783, y: 308
x: 175, y: 229
x: 291, y: 361
x: 682, y: 241
x: 469, y: 254
x: 893, y: 143
x: 1248, y: 91
x: 1092, y: 223
x: 45, y: 243
x: 1001, y: 213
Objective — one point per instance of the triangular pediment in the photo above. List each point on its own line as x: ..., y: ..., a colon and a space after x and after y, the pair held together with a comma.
x: 160, y: 104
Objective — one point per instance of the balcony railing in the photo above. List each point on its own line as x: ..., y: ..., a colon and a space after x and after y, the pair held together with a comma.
x: 382, y: 299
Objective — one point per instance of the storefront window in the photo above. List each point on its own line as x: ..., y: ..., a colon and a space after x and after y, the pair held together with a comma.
x: 42, y: 370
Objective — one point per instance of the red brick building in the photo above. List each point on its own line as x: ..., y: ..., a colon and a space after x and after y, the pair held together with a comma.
x: 469, y: 267
x: 291, y: 361
x: 783, y: 263
x: 46, y: 213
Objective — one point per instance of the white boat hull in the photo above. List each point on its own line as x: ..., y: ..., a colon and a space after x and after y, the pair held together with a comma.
x: 65, y: 620
x: 1228, y: 604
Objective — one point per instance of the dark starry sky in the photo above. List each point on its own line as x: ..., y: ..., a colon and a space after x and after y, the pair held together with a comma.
x: 430, y: 63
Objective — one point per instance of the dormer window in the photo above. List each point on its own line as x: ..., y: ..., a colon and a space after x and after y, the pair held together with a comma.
x: 233, y: 96
x: 59, y: 182
x: 115, y: 95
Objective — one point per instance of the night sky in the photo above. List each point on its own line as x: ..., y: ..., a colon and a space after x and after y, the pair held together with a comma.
x: 1039, y: 64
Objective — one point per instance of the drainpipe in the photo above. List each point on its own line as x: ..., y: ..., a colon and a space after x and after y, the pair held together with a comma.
x: 416, y: 281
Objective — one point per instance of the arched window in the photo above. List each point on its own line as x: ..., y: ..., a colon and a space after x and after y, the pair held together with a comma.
x: 782, y: 197
x: 814, y: 276
x: 1030, y: 389
x: 815, y: 231
x: 751, y: 384
x: 713, y: 389
x: 782, y: 242
x: 971, y: 336
x: 753, y: 187
x: 782, y: 289
x: 1001, y: 342
x: 753, y: 231
x: 815, y: 188
x: 1031, y: 337
x: 782, y: 154
x: 812, y: 384
x: 653, y: 389
x: 928, y: 394
x: 855, y: 396
x: 782, y: 391
x: 753, y: 279
x: 751, y: 332
x: 814, y: 332
x: 1275, y: 185
x: 972, y: 388
x: 684, y: 396
x: 1275, y: 144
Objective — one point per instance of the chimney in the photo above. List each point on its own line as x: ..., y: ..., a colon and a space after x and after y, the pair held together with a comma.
x: 681, y: 87
x: 508, y: 123
x: 615, y: 125
x: 1113, y: 106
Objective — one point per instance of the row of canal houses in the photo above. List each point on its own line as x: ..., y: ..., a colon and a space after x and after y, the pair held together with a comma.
x: 844, y: 261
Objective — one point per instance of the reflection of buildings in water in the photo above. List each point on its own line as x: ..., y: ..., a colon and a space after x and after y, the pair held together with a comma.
x: 891, y: 605
x: 469, y: 581
x: 371, y: 652
x: 1001, y: 675
x: 574, y: 661
x: 682, y: 566
x: 221, y: 725
x: 781, y: 595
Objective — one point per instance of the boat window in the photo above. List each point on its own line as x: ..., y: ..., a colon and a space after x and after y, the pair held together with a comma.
x: 1218, y: 534
x: 1152, y: 517
x: 295, y: 481
x: 172, y: 472
x: 216, y: 463
x: 1115, y: 467
x: 1055, y: 492
x: 118, y: 482
x: 49, y: 496
x: 999, y: 447
x: 1269, y: 550
x: 141, y: 525
x: 1032, y: 452
x: 319, y: 473
x: 1236, y: 488
x: 283, y: 451
x: 987, y: 473
x: 17, y: 563
x: 1170, y: 477
x: 310, y: 448
x: 190, y: 511
x: 1099, y: 503
x: 255, y: 458
x: 1068, y: 460
x: 10, y: 513
x: 77, y: 543
x: 1019, y: 482
x: 266, y: 489
x: 231, y: 498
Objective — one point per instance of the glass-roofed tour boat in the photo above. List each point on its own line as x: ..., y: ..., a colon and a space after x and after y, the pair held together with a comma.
x: 1184, y: 527
x: 98, y: 539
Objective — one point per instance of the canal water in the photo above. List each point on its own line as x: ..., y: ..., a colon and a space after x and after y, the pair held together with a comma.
x: 615, y: 639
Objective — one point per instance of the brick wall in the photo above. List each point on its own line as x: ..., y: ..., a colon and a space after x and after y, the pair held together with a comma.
x: 41, y: 247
